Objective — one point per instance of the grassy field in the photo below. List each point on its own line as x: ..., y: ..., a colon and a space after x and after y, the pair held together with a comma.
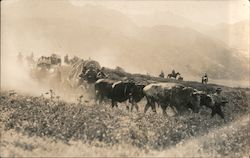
x: 39, y: 126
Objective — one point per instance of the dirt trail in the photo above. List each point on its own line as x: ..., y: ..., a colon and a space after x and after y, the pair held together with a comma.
x: 211, y: 144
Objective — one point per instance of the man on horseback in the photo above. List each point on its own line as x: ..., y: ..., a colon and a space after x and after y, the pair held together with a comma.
x: 173, y: 72
x: 204, y: 78
x: 66, y: 59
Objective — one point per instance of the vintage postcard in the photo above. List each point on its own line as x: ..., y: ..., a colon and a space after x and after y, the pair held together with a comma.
x: 125, y: 78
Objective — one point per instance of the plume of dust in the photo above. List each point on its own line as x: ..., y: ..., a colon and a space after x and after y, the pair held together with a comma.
x: 16, y: 76
x: 109, y: 58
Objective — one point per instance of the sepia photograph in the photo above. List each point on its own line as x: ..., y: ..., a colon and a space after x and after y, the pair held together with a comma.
x: 125, y: 78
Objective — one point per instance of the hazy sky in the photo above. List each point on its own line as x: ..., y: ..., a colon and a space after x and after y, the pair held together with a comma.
x: 209, y: 12
x: 45, y: 36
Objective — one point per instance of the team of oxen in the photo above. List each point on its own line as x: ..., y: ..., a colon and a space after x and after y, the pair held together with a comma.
x: 174, y: 95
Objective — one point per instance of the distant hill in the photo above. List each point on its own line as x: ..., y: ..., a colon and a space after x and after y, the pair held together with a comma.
x: 113, y: 39
x: 235, y: 35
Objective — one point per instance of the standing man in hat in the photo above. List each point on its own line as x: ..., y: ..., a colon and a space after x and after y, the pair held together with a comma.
x: 218, y: 102
x: 217, y: 95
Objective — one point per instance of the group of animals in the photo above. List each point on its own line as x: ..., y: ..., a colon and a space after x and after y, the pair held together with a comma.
x: 177, y: 75
x: 177, y: 96
x: 173, y: 95
x: 173, y: 75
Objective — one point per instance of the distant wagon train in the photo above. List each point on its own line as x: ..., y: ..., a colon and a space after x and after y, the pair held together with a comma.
x: 48, y: 62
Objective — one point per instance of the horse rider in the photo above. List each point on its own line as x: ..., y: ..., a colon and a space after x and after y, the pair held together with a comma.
x: 66, y: 59
x: 205, y: 75
x: 173, y: 72
x: 205, y: 78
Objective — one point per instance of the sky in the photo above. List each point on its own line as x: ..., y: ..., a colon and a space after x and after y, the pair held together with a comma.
x: 208, y: 12
x: 141, y: 12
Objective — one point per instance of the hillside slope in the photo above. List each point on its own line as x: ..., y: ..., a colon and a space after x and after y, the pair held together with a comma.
x: 113, y: 39
x: 40, y: 126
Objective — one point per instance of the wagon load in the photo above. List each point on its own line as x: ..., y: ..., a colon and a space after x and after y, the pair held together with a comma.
x: 74, y: 73
x: 55, y: 59
x: 44, y: 62
x: 48, y: 69
x: 48, y: 62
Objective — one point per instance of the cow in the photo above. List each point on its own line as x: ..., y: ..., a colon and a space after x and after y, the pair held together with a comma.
x: 208, y: 100
x: 103, y: 88
x: 119, y: 91
x: 175, y: 95
x: 157, y: 93
x: 90, y: 75
x: 126, y: 90
x: 183, y: 98
x: 90, y: 69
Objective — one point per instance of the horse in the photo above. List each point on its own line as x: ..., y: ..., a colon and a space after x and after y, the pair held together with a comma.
x: 204, y: 80
x: 173, y: 75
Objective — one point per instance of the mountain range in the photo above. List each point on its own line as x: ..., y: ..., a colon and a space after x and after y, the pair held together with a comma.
x: 110, y: 37
x: 235, y: 35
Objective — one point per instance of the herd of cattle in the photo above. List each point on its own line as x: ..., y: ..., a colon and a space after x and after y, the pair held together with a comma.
x: 164, y: 94
x: 175, y: 95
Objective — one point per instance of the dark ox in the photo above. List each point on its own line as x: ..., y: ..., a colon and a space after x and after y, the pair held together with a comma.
x: 185, y: 98
x: 171, y: 94
x: 207, y: 100
x: 90, y: 75
x: 119, y: 91
x: 103, y: 89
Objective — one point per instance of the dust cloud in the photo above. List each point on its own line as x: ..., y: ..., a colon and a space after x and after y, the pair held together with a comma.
x: 16, y: 76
